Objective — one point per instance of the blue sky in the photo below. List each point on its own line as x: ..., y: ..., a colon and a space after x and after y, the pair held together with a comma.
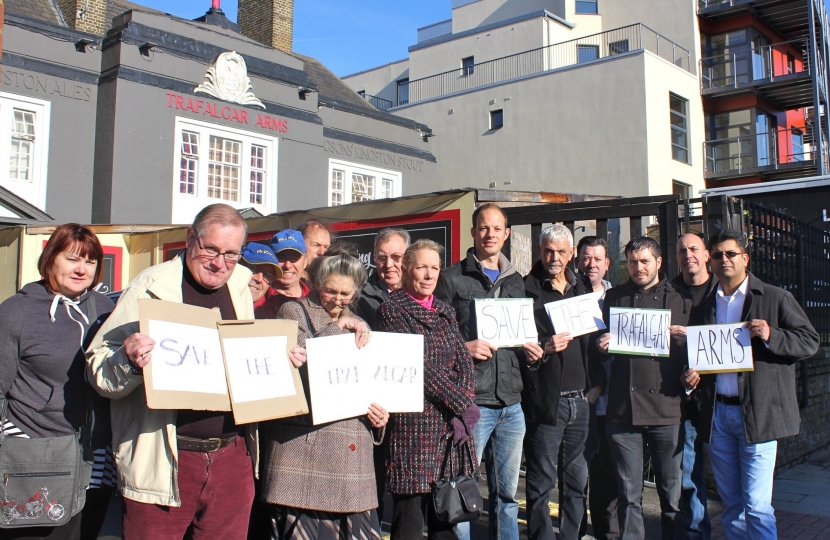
x: 346, y: 35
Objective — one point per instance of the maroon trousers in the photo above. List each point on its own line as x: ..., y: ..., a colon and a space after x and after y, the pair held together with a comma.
x: 216, y: 491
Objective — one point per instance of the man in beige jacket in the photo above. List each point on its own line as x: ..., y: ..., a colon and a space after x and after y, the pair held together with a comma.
x: 179, y: 469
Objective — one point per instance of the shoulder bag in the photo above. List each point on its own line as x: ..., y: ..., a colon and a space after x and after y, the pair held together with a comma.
x: 457, y: 498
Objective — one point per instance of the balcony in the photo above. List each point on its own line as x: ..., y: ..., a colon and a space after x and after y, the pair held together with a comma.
x: 635, y: 37
x: 782, y: 153
x: 779, y: 73
x: 377, y: 102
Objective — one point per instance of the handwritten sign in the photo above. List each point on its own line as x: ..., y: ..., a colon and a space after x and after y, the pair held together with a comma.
x: 719, y: 348
x: 643, y: 332
x: 578, y: 315
x: 344, y: 380
x: 506, y: 322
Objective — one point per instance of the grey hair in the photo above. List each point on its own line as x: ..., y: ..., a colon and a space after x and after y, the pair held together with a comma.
x: 423, y: 243
x: 556, y: 233
x: 322, y: 268
x: 386, y: 234
x: 218, y: 214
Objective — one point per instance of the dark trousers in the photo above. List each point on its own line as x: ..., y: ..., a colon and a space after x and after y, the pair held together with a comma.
x: 666, y: 449
x: 71, y: 530
x: 602, y: 488
x: 95, y: 511
x: 216, y: 491
x: 411, y: 511
x: 542, y: 447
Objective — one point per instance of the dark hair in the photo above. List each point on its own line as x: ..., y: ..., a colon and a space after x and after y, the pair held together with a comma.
x: 73, y: 237
x: 311, y: 225
x: 343, y: 247
x: 490, y: 206
x: 592, y: 241
x: 643, y: 242
x: 721, y: 236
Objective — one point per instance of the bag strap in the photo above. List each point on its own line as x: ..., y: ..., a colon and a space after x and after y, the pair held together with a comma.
x: 307, y: 320
x: 447, y: 456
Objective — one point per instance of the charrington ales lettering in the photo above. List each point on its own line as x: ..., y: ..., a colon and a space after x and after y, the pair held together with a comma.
x: 377, y: 156
x: 46, y: 85
x: 226, y: 112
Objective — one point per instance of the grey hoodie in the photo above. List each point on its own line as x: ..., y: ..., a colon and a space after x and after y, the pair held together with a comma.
x: 42, y: 362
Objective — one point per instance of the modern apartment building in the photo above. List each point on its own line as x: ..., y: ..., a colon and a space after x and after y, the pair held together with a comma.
x: 613, y: 96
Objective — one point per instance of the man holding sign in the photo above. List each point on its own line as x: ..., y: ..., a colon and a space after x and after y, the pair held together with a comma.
x: 557, y: 390
x: 644, y: 396
x: 486, y: 273
x: 743, y: 414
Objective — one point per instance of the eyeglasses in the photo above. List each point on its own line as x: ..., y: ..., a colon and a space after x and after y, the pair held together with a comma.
x: 211, y: 252
x: 383, y: 258
x: 718, y: 255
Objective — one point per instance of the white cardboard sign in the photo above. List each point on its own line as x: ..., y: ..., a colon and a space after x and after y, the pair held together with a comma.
x: 719, y: 348
x: 506, y: 322
x: 643, y: 332
x: 344, y: 380
x: 578, y: 316
x: 257, y: 369
x: 187, y: 358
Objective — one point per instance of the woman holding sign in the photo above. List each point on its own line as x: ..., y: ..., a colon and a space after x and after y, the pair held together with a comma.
x: 418, y: 442
x: 321, y: 479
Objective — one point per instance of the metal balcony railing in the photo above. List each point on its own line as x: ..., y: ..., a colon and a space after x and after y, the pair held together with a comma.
x: 770, y: 149
x: 757, y: 64
x: 703, y: 4
x: 376, y: 102
x: 594, y: 47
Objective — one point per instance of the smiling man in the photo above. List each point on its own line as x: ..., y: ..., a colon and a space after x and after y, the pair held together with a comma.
x: 290, y: 249
x: 265, y: 270
x: 390, y: 245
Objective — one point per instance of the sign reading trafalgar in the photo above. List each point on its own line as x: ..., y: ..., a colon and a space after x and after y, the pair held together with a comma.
x: 506, y: 322
x: 578, y: 315
x: 643, y: 332
x: 227, y: 79
x: 719, y: 348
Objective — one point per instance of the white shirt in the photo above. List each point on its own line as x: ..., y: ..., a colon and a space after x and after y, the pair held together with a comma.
x: 728, y: 309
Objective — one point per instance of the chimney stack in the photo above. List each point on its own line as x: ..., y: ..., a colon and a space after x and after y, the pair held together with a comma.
x: 85, y: 15
x: 270, y: 22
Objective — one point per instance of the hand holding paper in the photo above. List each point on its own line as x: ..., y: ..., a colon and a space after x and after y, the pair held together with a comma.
x: 480, y: 349
x: 558, y: 343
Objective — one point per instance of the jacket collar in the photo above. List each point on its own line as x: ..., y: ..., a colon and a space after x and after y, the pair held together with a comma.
x: 662, y: 284
x: 679, y: 283
x: 420, y: 313
x: 537, y: 281
x: 472, y: 264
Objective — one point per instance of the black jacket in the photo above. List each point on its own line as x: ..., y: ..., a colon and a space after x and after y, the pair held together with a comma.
x: 543, y: 379
x: 373, y: 293
x: 499, y: 379
x: 768, y: 398
x: 644, y: 390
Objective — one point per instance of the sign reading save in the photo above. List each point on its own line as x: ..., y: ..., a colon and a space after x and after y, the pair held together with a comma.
x: 719, y: 348
x: 506, y: 322
x: 642, y: 332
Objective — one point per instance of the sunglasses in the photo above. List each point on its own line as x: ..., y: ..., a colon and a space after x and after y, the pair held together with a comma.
x: 718, y: 255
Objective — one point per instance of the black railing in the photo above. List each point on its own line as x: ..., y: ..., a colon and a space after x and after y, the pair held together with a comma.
x: 377, y: 102
x: 768, y: 150
x: 758, y: 64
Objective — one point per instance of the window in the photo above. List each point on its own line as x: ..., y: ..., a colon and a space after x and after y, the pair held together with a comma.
x: 798, y: 145
x: 682, y: 189
x: 679, y: 108
x: 586, y: 53
x: 496, y: 119
x: 790, y: 64
x: 468, y: 66
x: 403, y: 91
x: 216, y: 163
x: 353, y: 182
x: 586, y: 7
x: 25, y: 121
x: 618, y: 47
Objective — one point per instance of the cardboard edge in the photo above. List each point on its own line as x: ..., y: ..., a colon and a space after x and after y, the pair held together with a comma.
x: 716, y: 371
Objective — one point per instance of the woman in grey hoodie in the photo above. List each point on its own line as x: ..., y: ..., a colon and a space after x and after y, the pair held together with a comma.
x: 43, y: 330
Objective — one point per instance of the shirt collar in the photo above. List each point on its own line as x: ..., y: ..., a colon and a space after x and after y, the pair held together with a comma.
x: 741, y: 290
x: 569, y: 275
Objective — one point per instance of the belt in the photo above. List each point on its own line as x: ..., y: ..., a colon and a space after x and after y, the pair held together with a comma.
x: 571, y: 394
x: 203, y: 445
x: 728, y: 400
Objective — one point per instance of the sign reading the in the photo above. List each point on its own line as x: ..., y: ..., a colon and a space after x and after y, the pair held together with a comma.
x: 719, y: 348
x: 642, y: 332
x: 506, y: 322
x: 258, y: 368
x: 578, y: 315
x: 344, y: 380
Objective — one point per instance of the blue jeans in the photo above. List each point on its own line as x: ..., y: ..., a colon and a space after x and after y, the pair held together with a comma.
x: 501, y: 431
x: 693, y: 499
x: 743, y: 473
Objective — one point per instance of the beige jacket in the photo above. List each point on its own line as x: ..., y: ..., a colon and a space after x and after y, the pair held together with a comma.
x: 145, y: 440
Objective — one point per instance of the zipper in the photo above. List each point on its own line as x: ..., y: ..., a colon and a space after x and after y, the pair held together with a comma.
x: 32, y: 474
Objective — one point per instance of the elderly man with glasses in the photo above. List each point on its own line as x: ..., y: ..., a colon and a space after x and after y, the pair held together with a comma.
x: 180, y: 471
x: 390, y: 245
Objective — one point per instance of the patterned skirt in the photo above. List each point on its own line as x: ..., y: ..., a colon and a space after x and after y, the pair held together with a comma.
x: 296, y: 523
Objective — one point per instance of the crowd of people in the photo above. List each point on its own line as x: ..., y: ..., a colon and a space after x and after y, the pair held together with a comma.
x: 581, y: 418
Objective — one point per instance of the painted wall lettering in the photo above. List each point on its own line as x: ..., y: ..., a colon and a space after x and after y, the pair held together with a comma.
x: 375, y: 156
x: 226, y: 112
x: 45, y: 85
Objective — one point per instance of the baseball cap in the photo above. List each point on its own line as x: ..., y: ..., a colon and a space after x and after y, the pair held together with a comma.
x: 255, y: 253
x: 288, y: 239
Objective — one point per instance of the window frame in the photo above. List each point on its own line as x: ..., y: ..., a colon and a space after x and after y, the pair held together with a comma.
x: 493, y: 114
x: 33, y: 190
x: 579, y: 3
x: 400, y: 84
x: 685, y: 116
x: 468, y: 68
x: 348, y: 168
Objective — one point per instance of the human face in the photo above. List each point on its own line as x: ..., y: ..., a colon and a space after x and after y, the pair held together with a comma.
x: 388, y: 260
x: 594, y: 263
x: 422, y: 276
x: 729, y: 269
x: 336, y: 294
x: 72, y: 274
x: 489, y: 234
x: 644, y: 268
x: 293, y: 264
x: 262, y: 276
x: 317, y: 241
x: 692, y: 257
x: 212, y: 272
x: 555, y: 256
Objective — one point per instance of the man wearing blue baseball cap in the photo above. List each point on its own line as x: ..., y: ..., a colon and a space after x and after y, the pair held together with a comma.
x: 265, y: 269
x: 289, y: 248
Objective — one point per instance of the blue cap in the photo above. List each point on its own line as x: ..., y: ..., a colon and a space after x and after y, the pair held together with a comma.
x: 254, y: 254
x: 288, y: 239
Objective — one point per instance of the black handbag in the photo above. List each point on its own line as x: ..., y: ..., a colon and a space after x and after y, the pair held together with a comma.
x: 457, y: 498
